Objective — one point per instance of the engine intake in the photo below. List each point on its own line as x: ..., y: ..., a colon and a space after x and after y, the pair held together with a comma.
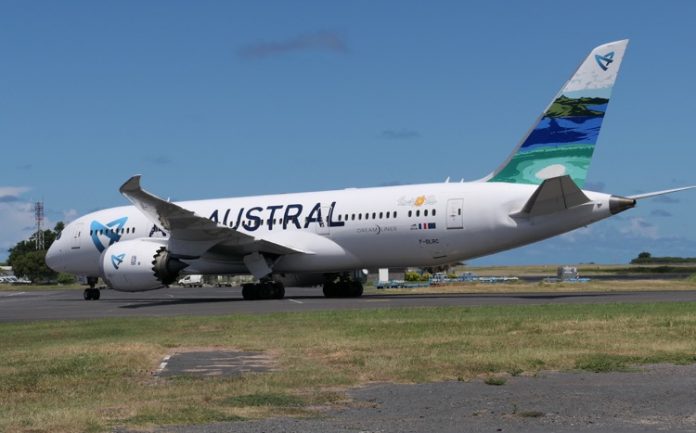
x: 139, y: 265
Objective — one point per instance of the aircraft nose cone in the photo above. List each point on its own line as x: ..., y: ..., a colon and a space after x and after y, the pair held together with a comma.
x: 51, y: 258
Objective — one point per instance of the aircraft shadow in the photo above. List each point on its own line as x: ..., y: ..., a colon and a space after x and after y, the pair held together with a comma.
x: 163, y: 302
x: 146, y: 303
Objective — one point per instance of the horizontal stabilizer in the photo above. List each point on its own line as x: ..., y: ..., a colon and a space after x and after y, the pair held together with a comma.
x: 553, y: 195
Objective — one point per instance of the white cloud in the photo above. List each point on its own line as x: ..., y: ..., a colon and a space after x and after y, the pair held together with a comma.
x: 613, y: 241
x: 69, y: 215
x: 10, y: 194
x: 15, y: 217
x: 640, y: 228
x: 13, y: 191
x: 577, y: 234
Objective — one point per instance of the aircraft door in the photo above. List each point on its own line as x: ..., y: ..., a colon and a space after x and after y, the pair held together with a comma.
x: 455, y: 213
x: 77, y: 236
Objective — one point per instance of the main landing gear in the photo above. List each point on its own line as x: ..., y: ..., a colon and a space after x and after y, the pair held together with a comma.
x: 342, y: 286
x: 92, y: 294
x: 264, y: 289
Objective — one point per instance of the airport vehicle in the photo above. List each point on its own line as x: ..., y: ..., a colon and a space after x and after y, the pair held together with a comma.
x: 193, y: 280
x: 20, y: 281
x: 11, y: 279
x: 329, y: 237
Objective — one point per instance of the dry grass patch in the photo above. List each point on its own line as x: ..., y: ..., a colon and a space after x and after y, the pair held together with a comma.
x: 543, y: 287
x: 95, y: 375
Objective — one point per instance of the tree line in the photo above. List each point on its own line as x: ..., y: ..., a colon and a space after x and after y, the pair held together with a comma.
x: 645, y: 258
x: 27, y: 261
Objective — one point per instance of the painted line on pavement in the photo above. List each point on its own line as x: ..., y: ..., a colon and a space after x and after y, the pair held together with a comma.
x: 163, y: 364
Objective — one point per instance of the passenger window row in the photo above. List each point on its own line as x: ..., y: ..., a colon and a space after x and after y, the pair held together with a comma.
x: 120, y: 231
x: 367, y: 216
x: 417, y: 213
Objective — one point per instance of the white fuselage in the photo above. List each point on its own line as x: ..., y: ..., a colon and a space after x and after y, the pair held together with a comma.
x: 413, y: 225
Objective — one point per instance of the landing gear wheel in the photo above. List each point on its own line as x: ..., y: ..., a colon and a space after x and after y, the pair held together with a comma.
x: 343, y: 288
x: 330, y: 290
x: 91, y: 294
x: 263, y: 290
x: 356, y: 289
x: 249, y: 292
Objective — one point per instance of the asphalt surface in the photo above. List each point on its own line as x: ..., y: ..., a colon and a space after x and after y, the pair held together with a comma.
x: 211, y: 363
x: 69, y: 304
x: 657, y: 398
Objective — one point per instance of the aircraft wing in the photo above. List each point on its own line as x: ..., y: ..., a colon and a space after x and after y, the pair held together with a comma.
x: 192, y: 235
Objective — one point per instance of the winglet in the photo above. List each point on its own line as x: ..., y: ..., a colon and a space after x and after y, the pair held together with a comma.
x: 131, y: 185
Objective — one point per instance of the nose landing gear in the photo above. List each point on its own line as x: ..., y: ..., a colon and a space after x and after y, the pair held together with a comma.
x: 92, y: 294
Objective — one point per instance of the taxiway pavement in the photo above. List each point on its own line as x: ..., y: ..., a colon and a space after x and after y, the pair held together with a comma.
x: 69, y: 304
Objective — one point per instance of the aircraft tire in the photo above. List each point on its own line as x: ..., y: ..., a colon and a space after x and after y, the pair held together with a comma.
x: 249, y: 292
x: 91, y: 294
x: 330, y: 290
x: 278, y: 290
x: 356, y: 289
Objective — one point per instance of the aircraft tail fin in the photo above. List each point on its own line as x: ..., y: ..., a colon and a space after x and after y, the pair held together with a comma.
x: 561, y: 141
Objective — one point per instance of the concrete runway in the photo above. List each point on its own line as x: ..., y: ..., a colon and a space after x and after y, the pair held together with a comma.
x: 68, y: 304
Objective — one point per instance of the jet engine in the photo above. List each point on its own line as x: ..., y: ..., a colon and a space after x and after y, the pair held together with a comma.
x: 139, y: 265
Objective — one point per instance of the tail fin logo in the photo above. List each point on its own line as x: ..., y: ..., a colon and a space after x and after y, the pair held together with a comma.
x: 605, y: 60
x: 116, y: 260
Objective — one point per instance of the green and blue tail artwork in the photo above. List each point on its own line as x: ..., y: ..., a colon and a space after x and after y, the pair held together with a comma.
x: 562, y: 140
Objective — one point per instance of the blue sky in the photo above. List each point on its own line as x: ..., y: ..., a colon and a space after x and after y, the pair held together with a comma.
x: 216, y: 98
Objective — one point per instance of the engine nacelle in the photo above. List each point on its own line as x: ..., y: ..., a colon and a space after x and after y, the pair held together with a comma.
x: 139, y: 265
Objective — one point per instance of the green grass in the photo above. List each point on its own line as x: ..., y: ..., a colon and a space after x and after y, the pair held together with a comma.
x: 602, y: 363
x: 94, y: 375
x: 264, y: 399
x: 494, y: 380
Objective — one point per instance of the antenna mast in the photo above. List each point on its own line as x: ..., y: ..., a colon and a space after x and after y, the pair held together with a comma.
x: 39, y: 215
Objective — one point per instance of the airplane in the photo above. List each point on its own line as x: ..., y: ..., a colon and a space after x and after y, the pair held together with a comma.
x: 330, y: 238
